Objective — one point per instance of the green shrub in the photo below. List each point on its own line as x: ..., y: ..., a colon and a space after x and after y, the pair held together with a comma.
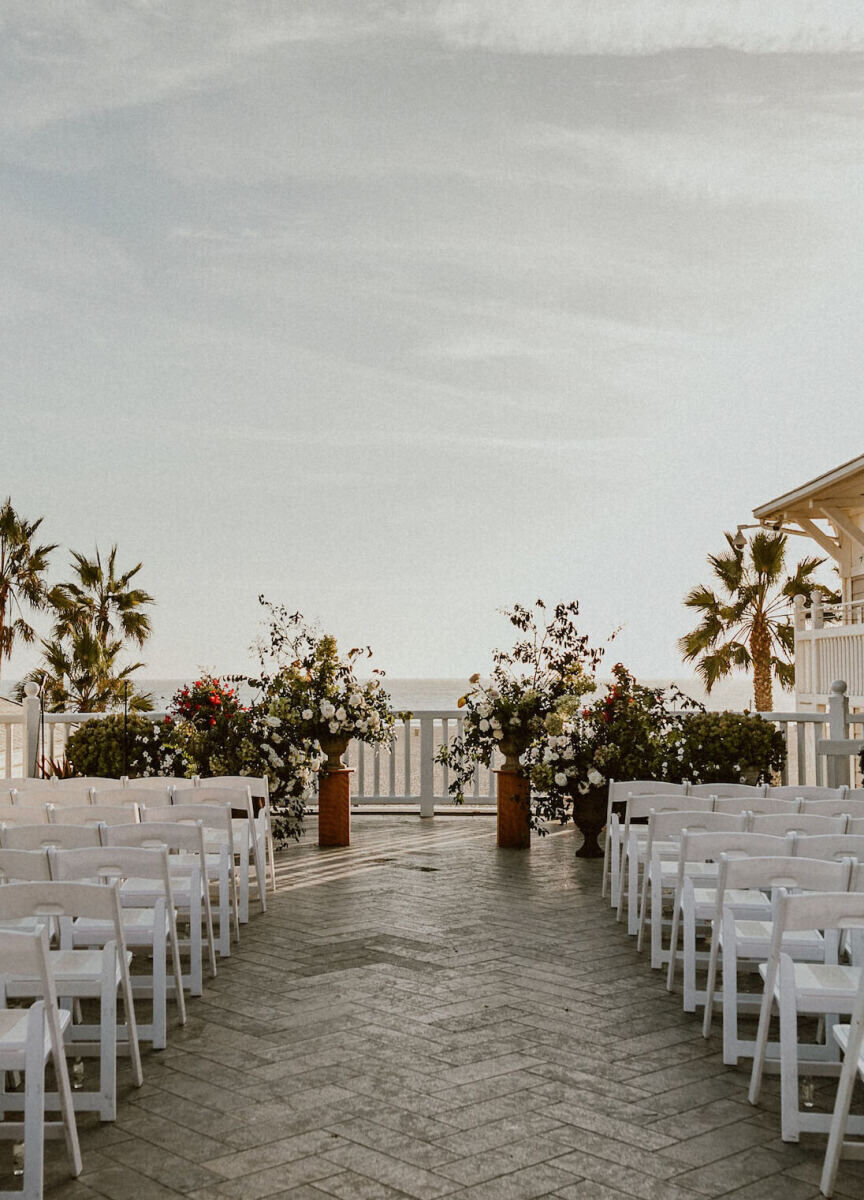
x: 726, y: 747
x: 97, y: 748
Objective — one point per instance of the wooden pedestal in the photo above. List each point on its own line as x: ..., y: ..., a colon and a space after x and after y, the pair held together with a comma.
x: 514, y: 812
x: 334, y: 808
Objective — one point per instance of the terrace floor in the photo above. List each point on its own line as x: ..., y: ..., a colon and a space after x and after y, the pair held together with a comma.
x: 424, y: 1015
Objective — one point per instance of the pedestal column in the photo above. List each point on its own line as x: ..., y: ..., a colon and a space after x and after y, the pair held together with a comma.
x: 514, y: 810
x: 334, y: 807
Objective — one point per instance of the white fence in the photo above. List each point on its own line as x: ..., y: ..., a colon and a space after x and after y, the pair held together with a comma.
x: 829, y: 645
x: 822, y: 748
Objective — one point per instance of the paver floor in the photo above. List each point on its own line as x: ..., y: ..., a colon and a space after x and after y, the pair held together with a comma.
x: 424, y: 1015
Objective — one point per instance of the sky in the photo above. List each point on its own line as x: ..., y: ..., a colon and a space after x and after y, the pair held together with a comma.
x: 402, y: 312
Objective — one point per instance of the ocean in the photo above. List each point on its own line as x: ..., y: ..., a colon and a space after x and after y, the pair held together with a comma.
x: 418, y: 694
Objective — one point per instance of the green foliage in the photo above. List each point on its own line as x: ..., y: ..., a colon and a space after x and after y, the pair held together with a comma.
x: 724, y: 747
x: 209, y: 728
x: 97, y: 748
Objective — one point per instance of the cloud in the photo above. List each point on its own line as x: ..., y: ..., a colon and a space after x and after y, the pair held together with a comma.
x: 636, y: 27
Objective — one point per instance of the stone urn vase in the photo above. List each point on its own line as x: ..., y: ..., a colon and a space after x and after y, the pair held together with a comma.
x: 589, y: 816
x: 334, y: 793
x: 514, y: 799
x: 334, y: 746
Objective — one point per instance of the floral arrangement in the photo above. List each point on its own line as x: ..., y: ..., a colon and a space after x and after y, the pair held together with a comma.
x: 209, y: 728
x: 534, y: 689
x: 712, y: 747
x: 625, y: 734
x: 314, y: 694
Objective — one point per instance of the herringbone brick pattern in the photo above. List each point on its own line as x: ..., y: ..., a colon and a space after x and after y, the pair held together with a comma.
x: 423, y: 1015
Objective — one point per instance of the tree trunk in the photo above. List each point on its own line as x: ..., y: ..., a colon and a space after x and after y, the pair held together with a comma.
x: 760, y: 653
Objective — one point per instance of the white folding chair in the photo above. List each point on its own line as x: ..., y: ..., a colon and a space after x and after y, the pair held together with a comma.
x: 696, y: 894
x: 184, y: 842
x: 24, y: 866
x: 149, y: 920
x: 250, y: 837
x: 82, y: 974
x: 815, y: 989
x: 618, y: 793
x: 218, y: 833
x: 836, y: 846
x: 743, y: 933
x: 849, y: 805
x: 850, y: 1039
x: 17, y: 814
x: 637, y: 810
x: 660, y: 876
x: 259, y: 788
x: 28, y: 1039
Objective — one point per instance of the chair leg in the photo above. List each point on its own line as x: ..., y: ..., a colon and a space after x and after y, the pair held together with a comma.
x: 842, y: 1104
x: 789, y: 1116
x: 160, y: 990
x: 259, y: 854
x: 711, y: 982
x: 673, y: 941
x: 689, y: 956
x: 176, y: 966
x: 34, y: 1105
x: 761, y: 1045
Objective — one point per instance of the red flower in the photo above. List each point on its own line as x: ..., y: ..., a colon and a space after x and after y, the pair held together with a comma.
x: 167, y: 720
x: 212, y: 720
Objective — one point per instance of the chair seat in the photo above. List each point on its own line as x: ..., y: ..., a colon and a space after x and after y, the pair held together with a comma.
x: 73, y: 970
x: 819, y: 987
x: 135, y: 921
x: 753, y: 940
x: 744, y: 900
x: 13, y: 1036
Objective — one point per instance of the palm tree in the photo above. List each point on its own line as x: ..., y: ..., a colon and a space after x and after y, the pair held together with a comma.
x: 22, y: 568
x: 96, y: 615
x: 748, y: 625
x: 103, y: 598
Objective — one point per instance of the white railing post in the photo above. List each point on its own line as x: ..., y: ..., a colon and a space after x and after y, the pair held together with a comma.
x: 30, y: 749
x: 817, y: 613
x: 838, y: 730
x: 427, y: 765
x: 799, y: 620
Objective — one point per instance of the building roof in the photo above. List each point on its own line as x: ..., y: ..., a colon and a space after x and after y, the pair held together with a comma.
x: 842, y: 488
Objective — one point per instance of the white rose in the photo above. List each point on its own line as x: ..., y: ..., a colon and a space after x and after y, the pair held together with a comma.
x: 355, y: 698
x: 484, y: 726
x: 560, y: 779
x: 548, y: 755
x: 306, y: 714
x: 341, y: 714
x: 594, y: 777
x: 334, y: 726
x: 498, y: 733
x: 327, y: 709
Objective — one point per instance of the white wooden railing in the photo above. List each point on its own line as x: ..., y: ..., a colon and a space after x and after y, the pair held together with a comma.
x: 829, y: 645
x: 822, y: 748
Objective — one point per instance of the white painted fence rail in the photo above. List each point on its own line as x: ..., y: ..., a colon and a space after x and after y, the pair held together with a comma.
x: 821, y: 748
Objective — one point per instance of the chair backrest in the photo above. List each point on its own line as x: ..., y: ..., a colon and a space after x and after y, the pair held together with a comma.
x: 240, y: 798
x: 642, y: 806
x: 21, y: 783
x: 79, y: 782
x: 711, y: 846
x: 93, y: 814
x: 134, y: 795
x: 22, y: 814
x: 112, y: 862
x: 797, y: 823
x: 785, y: 871
x: 830, y: 845
x: 822, y: 909
x: 19, y: 866
x: 756, y: 804
x: 259, y: 785
x: 720, y: 790
x: 855, y: 825
x: 58, y: 796
x: 855, y: 793
x: 833, y: 808
x: 665, y: 824
x: 157, y: 782
x: 93, y: 900
x: 187, y: 837
x: 806, y: 791
x: 211, y: 816
x: 40, y: 837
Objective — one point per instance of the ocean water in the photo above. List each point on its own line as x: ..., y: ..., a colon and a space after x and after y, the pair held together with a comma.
x: 418, y: 694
